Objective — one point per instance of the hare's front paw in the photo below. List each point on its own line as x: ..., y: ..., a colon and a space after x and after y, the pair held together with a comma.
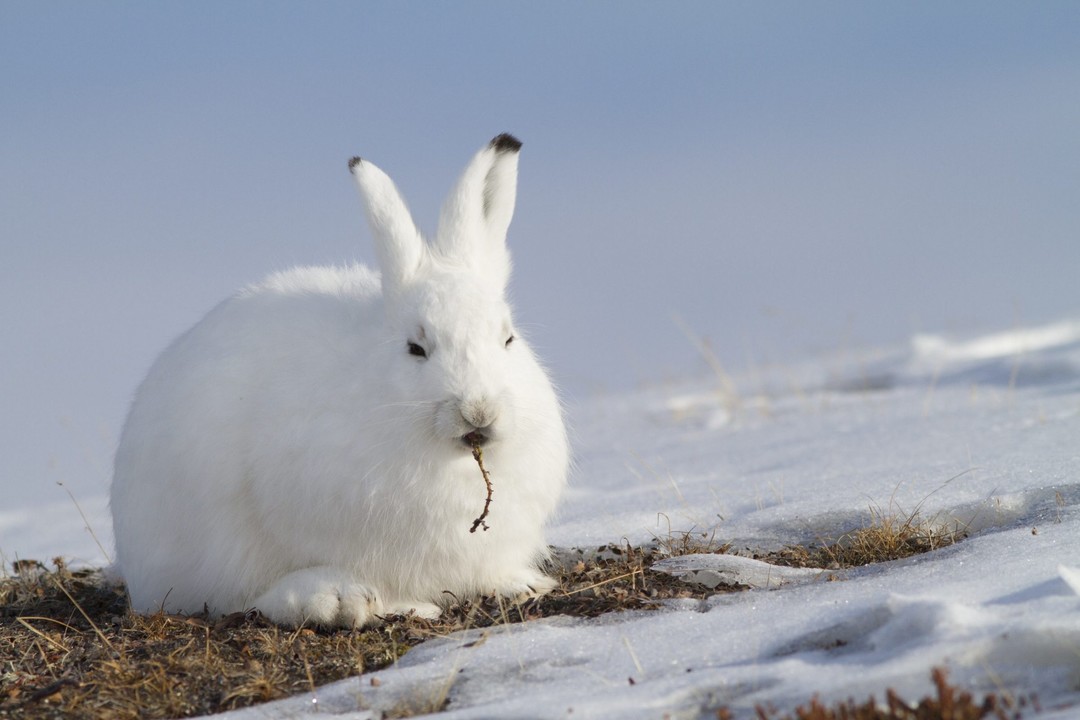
x: 319, y: 596
x: 426, y: 610
x: 526, y: 584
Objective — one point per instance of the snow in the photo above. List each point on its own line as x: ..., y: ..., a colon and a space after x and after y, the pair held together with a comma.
x: 983, y: 432
x: 713, y: 570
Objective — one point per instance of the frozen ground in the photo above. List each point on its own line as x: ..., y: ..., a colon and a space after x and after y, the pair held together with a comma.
x: 984, y: 432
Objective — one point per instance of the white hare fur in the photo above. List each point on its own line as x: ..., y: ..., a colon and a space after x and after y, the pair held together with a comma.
x: 302, y: 450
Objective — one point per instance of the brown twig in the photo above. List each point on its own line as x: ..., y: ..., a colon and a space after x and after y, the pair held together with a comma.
x: 478, y: 455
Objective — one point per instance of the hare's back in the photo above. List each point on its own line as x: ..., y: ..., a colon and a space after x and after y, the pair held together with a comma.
x: 352, y: 281
x: 292, y: 333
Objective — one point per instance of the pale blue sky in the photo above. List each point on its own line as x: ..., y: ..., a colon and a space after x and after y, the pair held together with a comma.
x: 788, y: 177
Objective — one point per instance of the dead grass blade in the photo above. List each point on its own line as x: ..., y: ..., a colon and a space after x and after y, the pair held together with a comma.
x: 82, y: 612
x: 55, y: 643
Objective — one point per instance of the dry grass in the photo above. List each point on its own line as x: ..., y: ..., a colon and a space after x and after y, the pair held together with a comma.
x: 888, y: 536
x: 950, y: 704
x: 69, y: 648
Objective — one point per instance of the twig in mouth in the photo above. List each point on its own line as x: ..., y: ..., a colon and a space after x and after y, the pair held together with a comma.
x: 478, y: 455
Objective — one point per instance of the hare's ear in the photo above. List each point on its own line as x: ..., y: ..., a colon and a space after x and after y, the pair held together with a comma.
x: 398, y: 243
x: 476, y: 215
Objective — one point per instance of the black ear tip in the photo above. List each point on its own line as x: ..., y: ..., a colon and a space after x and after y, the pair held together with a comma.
x: 353, y: 162
x: 506, y: 143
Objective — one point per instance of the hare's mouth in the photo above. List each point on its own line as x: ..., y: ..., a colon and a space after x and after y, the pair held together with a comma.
x: 476, y: 438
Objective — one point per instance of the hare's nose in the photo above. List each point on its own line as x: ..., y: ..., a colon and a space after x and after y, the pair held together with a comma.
x: 479, y: 414
x: 480, y: 417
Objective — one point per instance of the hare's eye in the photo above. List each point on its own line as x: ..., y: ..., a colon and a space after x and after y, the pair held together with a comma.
x: 417, y: 350
x: 509, y: 340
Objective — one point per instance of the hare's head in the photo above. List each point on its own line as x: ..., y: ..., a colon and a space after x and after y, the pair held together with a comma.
x: 460, y: 363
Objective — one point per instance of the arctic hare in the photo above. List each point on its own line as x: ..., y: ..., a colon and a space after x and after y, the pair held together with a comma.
x: 305, y: 449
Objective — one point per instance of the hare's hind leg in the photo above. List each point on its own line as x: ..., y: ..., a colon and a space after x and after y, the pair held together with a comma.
x: 323, y: 596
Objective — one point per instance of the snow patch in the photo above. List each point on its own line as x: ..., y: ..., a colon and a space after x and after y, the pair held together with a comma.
x: 1071, y: 576
x: 1021, y: 341
x: 713, y: 570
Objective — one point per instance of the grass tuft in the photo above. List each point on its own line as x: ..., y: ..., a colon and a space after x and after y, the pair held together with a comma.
x: 888, y: 536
